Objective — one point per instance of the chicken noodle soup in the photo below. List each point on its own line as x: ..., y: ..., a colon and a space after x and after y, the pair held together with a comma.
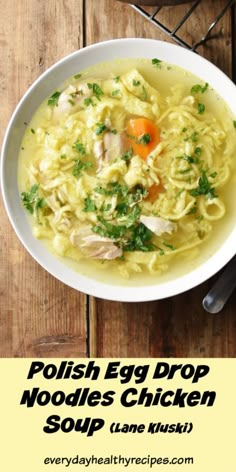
x: 129, y: 163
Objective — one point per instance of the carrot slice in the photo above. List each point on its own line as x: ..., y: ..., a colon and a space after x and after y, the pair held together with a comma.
x: 143, y: 136
x: 154, y: 191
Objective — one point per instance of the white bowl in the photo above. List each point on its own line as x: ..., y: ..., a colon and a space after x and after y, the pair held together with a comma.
x: 42, y: 88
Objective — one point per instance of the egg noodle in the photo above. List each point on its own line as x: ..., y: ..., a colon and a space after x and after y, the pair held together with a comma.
x: 119, y: 172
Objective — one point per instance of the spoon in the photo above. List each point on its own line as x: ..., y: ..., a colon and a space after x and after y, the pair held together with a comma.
x: 216, y: 298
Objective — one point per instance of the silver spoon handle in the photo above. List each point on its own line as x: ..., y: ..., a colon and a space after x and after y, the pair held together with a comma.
x: 216, y: 298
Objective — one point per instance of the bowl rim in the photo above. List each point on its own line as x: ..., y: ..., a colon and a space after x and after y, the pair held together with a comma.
x: 95, y: 287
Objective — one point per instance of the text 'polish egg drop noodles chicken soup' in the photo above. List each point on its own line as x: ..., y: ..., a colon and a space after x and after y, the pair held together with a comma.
x: 129, y: 166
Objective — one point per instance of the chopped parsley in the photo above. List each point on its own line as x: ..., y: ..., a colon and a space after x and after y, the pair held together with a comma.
x: 127, y: 155
x: 53, y: 100
x: 198, y: 151
x: 89, y: 205
x: 116, y: 92
x: 77, y: 76
x: 156, y: 62
x: 116, y: 79
x: 88, y: 101
x: 213, y: 175
x: 144, y: 94
x: 128, y: 233
x: 100, y: 128
x: 114, y: 131
x: 107, y: 207
x: 204, y: 187
x: 169, y: 246
x: 80, y: 166
x: 32, y: 131
x: 191, y: 159
x: 31, y: 200
x: 109, y: 230
x: 136, y: 83
x: 113, y: 188
x: 198, y: 88
x: 193, y: 210
x: 63, y: 156
x: 97, y: 91
x: 201, y: 108
x: 139, y: 239
x: 144, y: 139
x: 234, y: 123
x: 79, y: 147
x: 193, y: 137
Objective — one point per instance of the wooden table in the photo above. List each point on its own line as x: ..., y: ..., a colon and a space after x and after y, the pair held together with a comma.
x: 39, y: 316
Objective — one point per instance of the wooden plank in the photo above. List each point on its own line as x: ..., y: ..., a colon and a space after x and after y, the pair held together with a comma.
x: 39, y: 316
x: 177, y: 326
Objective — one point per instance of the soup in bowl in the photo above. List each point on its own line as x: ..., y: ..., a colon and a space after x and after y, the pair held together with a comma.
x: 123, y: 170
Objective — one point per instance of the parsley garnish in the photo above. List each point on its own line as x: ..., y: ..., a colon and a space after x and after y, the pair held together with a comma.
x: 201, y: 108
x: 136, y: 83
x: 101, y: 127
x: 198, y: 88
x: 89, y: 205
x: 193, y: 210
x: 198, y: 151
x: 80, y: 166
x: 127, y: 155
x: 204, y: 187
x: 234, y: 123
x: 109, y: 230
x: 113, y: 188
x: 88, y: 101
x: 32, y: 131
x: 116, y: 92
x: 53, y: 100
x: 31, y: 201
x: 144, y: 139
x: 144, y: 94
x: 169, y: 246
x: 116, y: 79
x: 79, y: 147
x: 156, y: 62
x: 193, y: 137
x: 140, y: 239
x: 114, y: 131
x: 191, y: 159
x: 97, y: 91
x: 77, y: 76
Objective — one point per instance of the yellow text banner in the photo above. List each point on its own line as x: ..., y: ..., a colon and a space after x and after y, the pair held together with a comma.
x: 117, y: 414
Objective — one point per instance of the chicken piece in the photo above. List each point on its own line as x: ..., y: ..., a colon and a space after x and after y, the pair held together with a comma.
x: 98, y: 149
x: 113, y: 145
x: 108, y: 149
x: 158, y: 225
x: 53, y: 203
x: 71, y: 99
x: 95, y: 246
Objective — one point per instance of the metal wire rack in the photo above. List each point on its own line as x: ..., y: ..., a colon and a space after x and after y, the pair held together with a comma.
x: 172, y: 33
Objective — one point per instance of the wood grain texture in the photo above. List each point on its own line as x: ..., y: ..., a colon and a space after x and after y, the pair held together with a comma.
x: 178, y: 326
x: 39, y: 316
